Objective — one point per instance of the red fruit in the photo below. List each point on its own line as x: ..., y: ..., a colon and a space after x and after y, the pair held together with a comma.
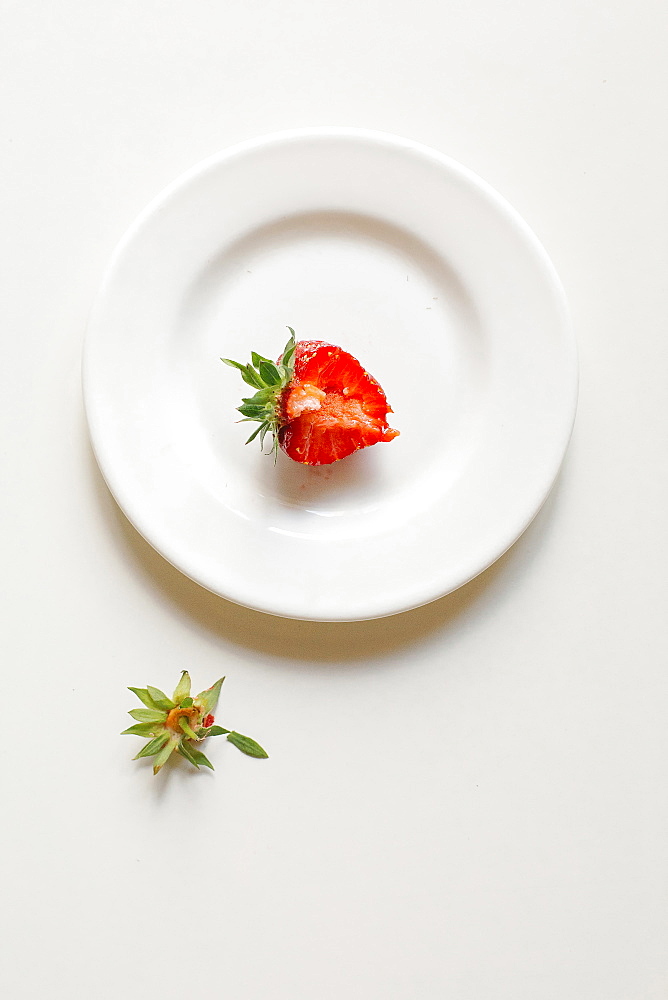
x: 317, y: 400
x: 332, y: 406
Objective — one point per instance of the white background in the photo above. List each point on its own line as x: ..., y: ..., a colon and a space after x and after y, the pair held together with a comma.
x: 464, y: 801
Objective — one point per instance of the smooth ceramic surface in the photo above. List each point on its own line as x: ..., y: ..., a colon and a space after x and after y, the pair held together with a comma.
x: 401, y: 256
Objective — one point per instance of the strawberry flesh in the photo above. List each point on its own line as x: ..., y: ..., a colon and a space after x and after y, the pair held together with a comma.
x: 332, y: 406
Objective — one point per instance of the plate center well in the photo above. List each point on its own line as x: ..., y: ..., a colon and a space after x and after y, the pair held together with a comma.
x: 378, y: 292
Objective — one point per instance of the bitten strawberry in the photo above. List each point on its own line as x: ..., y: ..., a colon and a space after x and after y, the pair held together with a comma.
x: 317, y: 401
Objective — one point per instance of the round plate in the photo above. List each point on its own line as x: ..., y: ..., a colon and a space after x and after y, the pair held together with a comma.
x: 400, y: 256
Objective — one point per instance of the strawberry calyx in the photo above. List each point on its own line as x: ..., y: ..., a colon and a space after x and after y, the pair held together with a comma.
x: 181, y: 723
x: 269, y: 379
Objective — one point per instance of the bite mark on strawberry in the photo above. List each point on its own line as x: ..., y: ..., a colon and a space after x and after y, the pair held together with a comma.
x: 305, y: 398
x: 318, y: 402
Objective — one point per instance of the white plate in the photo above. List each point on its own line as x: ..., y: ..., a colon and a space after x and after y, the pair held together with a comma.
x: 399, y: 255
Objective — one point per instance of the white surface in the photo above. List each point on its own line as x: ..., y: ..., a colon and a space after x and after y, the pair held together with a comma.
x: 297, y: 227
x: 465, y: 801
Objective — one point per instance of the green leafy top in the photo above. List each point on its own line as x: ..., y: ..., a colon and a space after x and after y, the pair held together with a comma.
x: 269, y: 378
x: 180, y: 723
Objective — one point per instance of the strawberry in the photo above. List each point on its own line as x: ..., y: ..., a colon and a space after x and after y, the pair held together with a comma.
x: 317, y: 401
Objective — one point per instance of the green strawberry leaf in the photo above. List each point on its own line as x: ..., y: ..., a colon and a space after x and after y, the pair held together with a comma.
x: 289, y: 351
x: 207, y: 700
x: 153, y: 746
x: 186, y: 752
x: 182, y: 689
x: 164, y: 755
x: 247, y: 745
x: 251, y: 410
x: 160, y: 699
x: 141, y: 729
x: 261, y: 397
x: 199, y: 759
x: 262, y: 427
x: 257, y: 359
x: 203, y: 733
x: 249, y: 376
x: 144, y: 696
x: 270, y: 373
x: 148, y: 715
